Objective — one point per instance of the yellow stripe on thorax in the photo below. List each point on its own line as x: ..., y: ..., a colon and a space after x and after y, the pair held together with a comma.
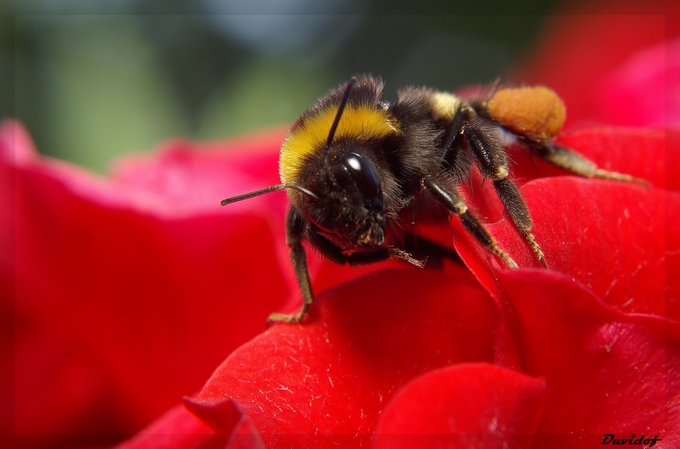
x: 357, y: 121
x: 444, y: 105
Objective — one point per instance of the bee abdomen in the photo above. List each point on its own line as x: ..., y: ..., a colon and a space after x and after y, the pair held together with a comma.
x: 536, y: 112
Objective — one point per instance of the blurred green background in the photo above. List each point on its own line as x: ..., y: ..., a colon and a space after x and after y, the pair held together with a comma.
x: 94, y: 79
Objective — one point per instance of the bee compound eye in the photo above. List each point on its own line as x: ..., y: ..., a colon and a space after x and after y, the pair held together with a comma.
x: 362, y: 172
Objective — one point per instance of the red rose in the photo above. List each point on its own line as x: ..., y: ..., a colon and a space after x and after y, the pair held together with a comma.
x: 129, y: 290
x: 416, y: 358
x: 549, y: 358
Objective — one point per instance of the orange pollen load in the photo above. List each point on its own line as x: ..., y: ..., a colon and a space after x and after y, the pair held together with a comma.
x: 536, y: 112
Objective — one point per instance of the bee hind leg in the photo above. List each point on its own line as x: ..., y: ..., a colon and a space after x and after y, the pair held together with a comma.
x: 574, y: 162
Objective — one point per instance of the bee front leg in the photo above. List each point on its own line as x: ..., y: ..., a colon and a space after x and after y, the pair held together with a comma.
x: 294, y: 232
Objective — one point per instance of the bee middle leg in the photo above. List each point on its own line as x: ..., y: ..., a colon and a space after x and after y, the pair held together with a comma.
x: 455, y: 203
x: 492, y: 161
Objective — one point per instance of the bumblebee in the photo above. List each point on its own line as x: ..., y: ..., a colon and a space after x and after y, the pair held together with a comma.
x: 359, y: 170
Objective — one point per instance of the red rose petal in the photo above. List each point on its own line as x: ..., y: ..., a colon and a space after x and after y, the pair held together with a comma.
x: 643, y: 91
x: 187, y: 177
x: 226, y: 417
x: 618, y: 239
x: 649, y: 154
x: 611, y: 211
x: 614, y: 244
x: 139, y: 292
x: 605, y: 371
x: 177, y: 429
x: 467, y: 405
x: 324, y: 382
x: 599, y: 35
x: 124, y: 265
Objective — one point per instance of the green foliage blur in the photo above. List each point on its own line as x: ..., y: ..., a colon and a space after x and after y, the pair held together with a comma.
x: 95, y: 79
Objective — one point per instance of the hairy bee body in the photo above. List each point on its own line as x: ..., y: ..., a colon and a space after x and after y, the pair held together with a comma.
x: 353, y: 164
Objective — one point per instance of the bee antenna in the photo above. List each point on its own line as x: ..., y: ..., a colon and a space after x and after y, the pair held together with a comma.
x: 341, y: 109
x: 334, y: 126
x: 276, y: 188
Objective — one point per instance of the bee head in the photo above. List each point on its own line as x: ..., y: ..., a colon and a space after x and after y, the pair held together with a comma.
x: 351, y: 210
x: 349, y: 207
x: 337, y: 185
